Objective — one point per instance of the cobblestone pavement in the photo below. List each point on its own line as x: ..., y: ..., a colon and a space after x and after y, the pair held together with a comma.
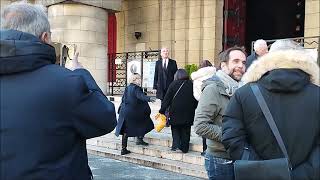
x: 110, y: 169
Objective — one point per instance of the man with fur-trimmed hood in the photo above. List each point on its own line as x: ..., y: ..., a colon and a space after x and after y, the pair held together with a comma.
x: 289, y: 82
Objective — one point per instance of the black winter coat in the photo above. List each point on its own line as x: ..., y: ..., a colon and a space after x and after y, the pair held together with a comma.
x: 295, y: 107
x: 163, y: 78
x: 47, y: 113
x: 250, y: 59
x: 134, y: 113
x: 183, y: 106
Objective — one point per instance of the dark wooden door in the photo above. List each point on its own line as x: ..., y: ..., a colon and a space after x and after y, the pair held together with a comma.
x: 112, y: 46
x: 234, y: 23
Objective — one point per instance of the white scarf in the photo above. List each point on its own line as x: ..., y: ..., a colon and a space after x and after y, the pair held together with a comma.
x: 230, y: 84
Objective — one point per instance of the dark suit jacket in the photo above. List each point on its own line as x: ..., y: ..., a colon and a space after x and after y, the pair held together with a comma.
x: 163, y: 78
x: 250, y: 59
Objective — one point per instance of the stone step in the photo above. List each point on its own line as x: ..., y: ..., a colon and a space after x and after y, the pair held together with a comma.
x: 151, y: 161
x: 151, y: 150
x: 159, y: 139
x: 167, y: 130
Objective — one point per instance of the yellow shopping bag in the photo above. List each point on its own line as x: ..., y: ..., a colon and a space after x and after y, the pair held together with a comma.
x: 162, y: 120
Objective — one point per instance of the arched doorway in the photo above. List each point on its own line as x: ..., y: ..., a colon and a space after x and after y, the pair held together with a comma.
x: 249, y: 20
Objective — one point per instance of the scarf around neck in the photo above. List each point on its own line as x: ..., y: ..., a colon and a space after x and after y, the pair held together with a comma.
x: 230, y: 84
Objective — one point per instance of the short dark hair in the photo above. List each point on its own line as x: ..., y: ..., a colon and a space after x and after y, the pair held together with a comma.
x: 204, y: 63
x: 225, y: 54
x: 181, y: 74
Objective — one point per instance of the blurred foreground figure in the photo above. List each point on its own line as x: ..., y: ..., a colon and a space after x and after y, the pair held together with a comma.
x: 47, y: 111
x: 289, y: 82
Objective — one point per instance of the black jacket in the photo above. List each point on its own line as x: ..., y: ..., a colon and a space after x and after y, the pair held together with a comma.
x: 250, y: 59
x: 163, y: 78
x: 47, y: 113
x: 183, y: 106
x: 294, y: 104
x: 134, y: 113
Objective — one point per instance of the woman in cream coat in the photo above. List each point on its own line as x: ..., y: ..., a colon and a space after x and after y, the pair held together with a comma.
x: 205, y: 71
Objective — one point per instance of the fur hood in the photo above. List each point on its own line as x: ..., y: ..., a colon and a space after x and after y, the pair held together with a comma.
x: 287, y: 59
x: 203, y: 72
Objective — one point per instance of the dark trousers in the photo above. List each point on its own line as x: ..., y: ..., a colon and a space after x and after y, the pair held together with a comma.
x: 181, y: 137
x: 124, y: 142
x: 204, y: 144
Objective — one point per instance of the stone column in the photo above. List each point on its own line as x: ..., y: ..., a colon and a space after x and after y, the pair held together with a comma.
x: 312, y: 18
x: 86, y: 27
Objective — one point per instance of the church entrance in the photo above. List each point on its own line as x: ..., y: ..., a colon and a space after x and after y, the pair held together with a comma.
x: 248, y: 20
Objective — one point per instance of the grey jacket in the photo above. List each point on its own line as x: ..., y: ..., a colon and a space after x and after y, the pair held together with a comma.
x: 208, y: 115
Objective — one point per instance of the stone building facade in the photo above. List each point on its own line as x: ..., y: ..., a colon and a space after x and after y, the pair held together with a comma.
x: 312, y: 20
x: 82, y: 23
x: 192, y: 29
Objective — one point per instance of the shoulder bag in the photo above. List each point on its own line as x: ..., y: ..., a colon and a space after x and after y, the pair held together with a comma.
x: 168, y: 109
x: 278, y: 169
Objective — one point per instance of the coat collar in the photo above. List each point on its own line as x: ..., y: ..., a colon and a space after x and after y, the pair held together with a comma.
x: 23, y: 52
x: 287, y: 59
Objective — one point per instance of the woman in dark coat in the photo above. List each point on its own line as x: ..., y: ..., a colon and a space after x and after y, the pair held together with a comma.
x: 134, y: 113
x: 181, y: 112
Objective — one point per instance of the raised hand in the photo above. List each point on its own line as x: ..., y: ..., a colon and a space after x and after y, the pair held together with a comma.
x: 75, y: 64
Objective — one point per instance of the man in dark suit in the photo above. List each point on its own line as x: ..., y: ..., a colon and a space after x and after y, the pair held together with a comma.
x: 164, y: 72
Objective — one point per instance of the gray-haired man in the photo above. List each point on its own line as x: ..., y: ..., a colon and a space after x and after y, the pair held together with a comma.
x: 47, y: 111
x: 260, y: 48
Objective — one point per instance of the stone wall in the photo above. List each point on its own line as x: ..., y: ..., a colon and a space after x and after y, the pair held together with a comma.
x: 82, y: 23
x: 105, y: 4
x: 86, y: 27
x: 192, y: 30
x: 312, y: 19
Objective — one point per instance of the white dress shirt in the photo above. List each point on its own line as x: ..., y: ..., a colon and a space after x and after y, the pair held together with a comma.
x: 165, y: 63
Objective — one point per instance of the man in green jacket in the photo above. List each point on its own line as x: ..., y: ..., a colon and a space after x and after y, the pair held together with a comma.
x: 212, y: 104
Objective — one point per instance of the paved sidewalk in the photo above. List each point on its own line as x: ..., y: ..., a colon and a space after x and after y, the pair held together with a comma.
x: 110, y: 169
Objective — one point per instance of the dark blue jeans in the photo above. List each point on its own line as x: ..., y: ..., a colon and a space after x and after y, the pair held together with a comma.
x: 218, y: 168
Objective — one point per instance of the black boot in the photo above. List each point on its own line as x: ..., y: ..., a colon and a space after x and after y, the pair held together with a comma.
x: 125, y: 151
x: 124, y: 145
x: 141, y: 142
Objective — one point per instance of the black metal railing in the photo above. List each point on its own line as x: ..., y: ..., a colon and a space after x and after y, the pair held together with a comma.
x: 312, y: 42
x: 122, y: 64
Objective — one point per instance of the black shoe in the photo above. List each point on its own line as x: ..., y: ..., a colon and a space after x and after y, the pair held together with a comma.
x: 173, y: 149
x: 142, y: 143
x: 203, y: 153
x: 125, y: 151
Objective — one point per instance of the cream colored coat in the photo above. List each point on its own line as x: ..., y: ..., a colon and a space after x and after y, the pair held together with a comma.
x: 198, y: 77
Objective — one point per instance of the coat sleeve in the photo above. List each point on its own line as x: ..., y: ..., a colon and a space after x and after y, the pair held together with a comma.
x: 233, y: 131
x: 122, y: 100
x: 206, y: 113
x: 167, y: 98
x: 175, y: 67
x: 197, y: 89
x: 310, y: 169
x: 93, y: 114
x: 140, y: 95
x: 155, y: 80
